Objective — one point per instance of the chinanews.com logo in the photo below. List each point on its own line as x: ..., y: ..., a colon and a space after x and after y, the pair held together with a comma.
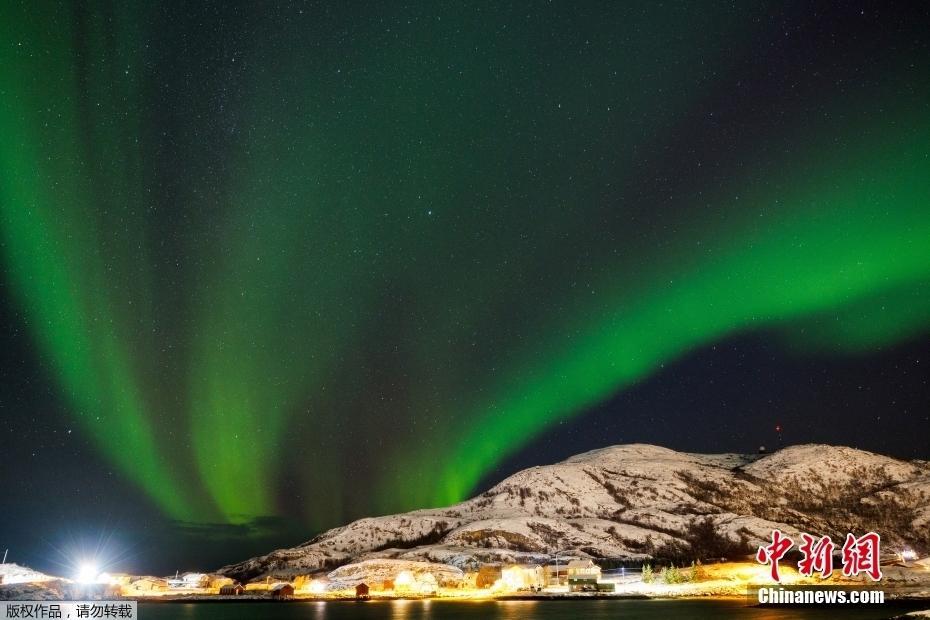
x: 858, y: 557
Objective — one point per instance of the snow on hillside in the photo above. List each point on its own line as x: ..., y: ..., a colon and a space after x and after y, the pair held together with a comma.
x: 836, y: 464
x: 22, y: 583
x: 634, y: 502
x: 380, y: 570
x: 14, y: 573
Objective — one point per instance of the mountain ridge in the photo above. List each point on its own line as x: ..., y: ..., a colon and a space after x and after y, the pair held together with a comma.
x: 635, y: 502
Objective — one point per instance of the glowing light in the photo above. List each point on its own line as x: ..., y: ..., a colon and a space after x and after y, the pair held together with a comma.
x: 87, y: 573
x: 519, y: 578
x: 404, y: 580
x: 753, y: 573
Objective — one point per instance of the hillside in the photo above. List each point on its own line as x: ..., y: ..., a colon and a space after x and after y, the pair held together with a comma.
x: 634, y: 502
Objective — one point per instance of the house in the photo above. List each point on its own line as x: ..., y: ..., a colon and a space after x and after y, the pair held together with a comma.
x: 583, y: 575
x: 555, y: 574
x: 232, y: 589
x: 522, y: 577
x: 281, y: 591
x: 361, y: 591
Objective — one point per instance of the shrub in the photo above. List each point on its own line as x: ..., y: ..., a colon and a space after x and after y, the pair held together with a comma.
x: 672, y: 575
x: 695, y: 573
x: 675, y: 575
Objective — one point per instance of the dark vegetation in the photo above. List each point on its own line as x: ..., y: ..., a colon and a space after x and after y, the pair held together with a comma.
x: 431, y: 537
x: 500, y: 539
x: 703, y: 541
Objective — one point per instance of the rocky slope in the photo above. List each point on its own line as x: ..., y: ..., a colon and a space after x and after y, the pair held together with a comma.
x: 633, y: 502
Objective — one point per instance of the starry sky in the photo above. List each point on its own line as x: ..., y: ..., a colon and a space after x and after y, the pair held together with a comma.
x: 268, y: 267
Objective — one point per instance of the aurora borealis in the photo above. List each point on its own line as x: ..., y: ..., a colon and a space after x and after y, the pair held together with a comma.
x: 317, y: 262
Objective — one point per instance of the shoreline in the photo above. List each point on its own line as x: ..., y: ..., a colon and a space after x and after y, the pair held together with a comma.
x: 892, y: 600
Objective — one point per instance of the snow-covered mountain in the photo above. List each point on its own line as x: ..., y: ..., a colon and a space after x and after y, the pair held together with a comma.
x: 635, y: 502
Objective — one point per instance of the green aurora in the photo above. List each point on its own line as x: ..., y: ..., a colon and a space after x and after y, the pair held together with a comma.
x: 447, y: 235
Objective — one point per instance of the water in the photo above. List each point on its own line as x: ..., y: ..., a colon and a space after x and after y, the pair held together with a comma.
x: 498, y: 610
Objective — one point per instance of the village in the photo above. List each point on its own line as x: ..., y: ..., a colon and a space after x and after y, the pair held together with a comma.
x: 405, y: 579
x: 386, y: 579
x: 363, y: 580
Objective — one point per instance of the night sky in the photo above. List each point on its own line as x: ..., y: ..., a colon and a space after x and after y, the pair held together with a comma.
x: 271, y: 266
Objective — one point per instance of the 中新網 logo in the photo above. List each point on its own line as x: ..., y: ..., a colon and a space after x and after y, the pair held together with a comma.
x: 859, y: 555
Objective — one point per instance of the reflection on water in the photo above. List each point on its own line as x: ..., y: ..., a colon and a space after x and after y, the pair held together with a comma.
x: 518, y: 609
x: 498, y: 610
x: 401, y: 609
